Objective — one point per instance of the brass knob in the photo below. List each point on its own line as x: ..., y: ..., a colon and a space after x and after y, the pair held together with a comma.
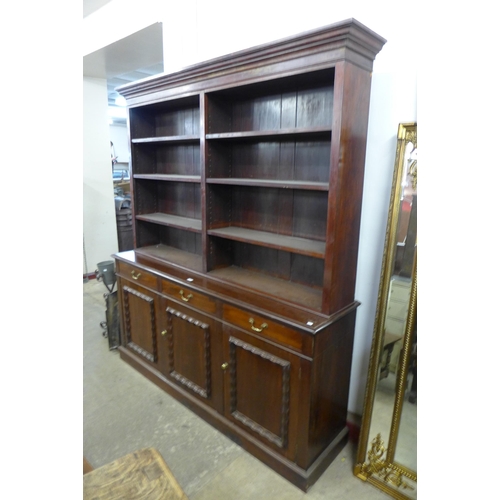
x: 224, y: 366
x: 256, y: 329
x: 135, y: 276
x: 164, y: 332
x: 185, y: 299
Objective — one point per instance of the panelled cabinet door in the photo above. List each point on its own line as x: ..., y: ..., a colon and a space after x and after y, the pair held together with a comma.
x: 191, y: 353
x: 139, y: 310
x: 261, y: 392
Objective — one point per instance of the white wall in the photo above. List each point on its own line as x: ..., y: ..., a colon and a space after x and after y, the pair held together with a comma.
x: 196, y: 30
x: 99, y: 221
x: 118, y: 135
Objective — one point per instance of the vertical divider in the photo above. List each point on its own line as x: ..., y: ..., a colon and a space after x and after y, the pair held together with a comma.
x: 203, y: 191
x: 131, y: 166
x: 351, y: 101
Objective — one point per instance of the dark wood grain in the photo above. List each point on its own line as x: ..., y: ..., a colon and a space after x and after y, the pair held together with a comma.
x: 180, y: 117
x: 247, y: 179
x: 351, y: 103
x: 168, y: 159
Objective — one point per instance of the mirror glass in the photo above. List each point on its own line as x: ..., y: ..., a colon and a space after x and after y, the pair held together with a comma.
x: 387, y: 455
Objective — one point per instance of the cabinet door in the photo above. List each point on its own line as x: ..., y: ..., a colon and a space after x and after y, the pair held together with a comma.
x: 139, y: 320
x: 262, y: 390
x: 191, y: 352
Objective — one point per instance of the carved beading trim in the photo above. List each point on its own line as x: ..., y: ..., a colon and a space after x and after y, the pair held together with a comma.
x: 141, y: 351
x: 205, y: 393
x: 282, y: 441
x: 153, y: 357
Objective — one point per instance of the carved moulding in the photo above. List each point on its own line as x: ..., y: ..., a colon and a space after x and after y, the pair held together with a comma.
x: 203, y: 392
x: 379, y: 467
x: 152, y: 357
x: 282, y: 440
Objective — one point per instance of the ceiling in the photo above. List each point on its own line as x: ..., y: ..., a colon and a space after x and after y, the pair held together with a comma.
x: 134, y: 57
x: 90, y: 6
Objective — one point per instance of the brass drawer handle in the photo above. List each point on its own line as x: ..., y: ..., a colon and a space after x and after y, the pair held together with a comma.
x: 254, y: 328
x: 164, y: 332
x: 135, y: 276
x: 224, y: 366
x: 185, y: 299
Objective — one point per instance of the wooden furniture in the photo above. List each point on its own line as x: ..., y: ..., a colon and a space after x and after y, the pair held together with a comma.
x: 140, y: 475
x: 238, y: 298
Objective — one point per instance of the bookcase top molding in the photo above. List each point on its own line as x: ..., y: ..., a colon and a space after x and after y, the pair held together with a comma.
x: 316, y: 49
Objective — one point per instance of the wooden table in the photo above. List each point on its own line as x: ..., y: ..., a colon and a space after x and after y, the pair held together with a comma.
x: 142, y: 474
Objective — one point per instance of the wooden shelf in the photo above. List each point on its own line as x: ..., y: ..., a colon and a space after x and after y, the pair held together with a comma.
x: 169, y: 177
x: 292, y: 292
x: 170, y: 139
x: 283, y: 184
x: 172, y: 221
x: 301, y: 246
x: 174, y: 255
x: 291, y: 133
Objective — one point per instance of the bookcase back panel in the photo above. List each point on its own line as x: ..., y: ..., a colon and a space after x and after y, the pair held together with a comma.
x: 170, y: 118
x: 298, y: 213
x: 146, y: 234
x: 309, y: 214
x: 275, y: 160
x: 271, y: 262
x: 261, y: 209
x: 180, y: 198
x: 306, y: 270
x: 145, y: 196
x: 293, y: 102
x: 311, y: 160
x: 183, y: 240
x: 178, y: 159
x: 219, y: 203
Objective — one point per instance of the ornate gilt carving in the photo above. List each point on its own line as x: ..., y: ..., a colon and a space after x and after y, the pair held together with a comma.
x: 388, y: 472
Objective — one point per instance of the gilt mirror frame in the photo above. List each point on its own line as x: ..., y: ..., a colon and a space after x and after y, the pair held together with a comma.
x: 375, y: 461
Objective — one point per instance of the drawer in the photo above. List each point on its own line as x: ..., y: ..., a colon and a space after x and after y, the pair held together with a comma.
x: 137, y: 275
x: 268, y: 329
x: 188, y: 296
x: 395, y: 326
x: 398, y: 310
x: 400, y: 290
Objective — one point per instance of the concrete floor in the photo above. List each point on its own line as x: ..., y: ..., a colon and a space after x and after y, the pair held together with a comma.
x: 124, y: 412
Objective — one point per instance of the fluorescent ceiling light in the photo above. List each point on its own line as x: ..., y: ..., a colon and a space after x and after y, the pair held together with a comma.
x: 115, y: 112
x: 120, y: 101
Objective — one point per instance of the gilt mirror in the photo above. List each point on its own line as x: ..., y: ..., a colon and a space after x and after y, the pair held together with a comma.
x: 387, y: 449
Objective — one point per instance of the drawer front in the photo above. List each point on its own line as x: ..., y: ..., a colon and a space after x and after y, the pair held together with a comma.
x: 267, y: 329
x: 400, y: 291
x: 395, y: 326
x: 137, y: 275
x: 398, y: 310
x: 188, y: 296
